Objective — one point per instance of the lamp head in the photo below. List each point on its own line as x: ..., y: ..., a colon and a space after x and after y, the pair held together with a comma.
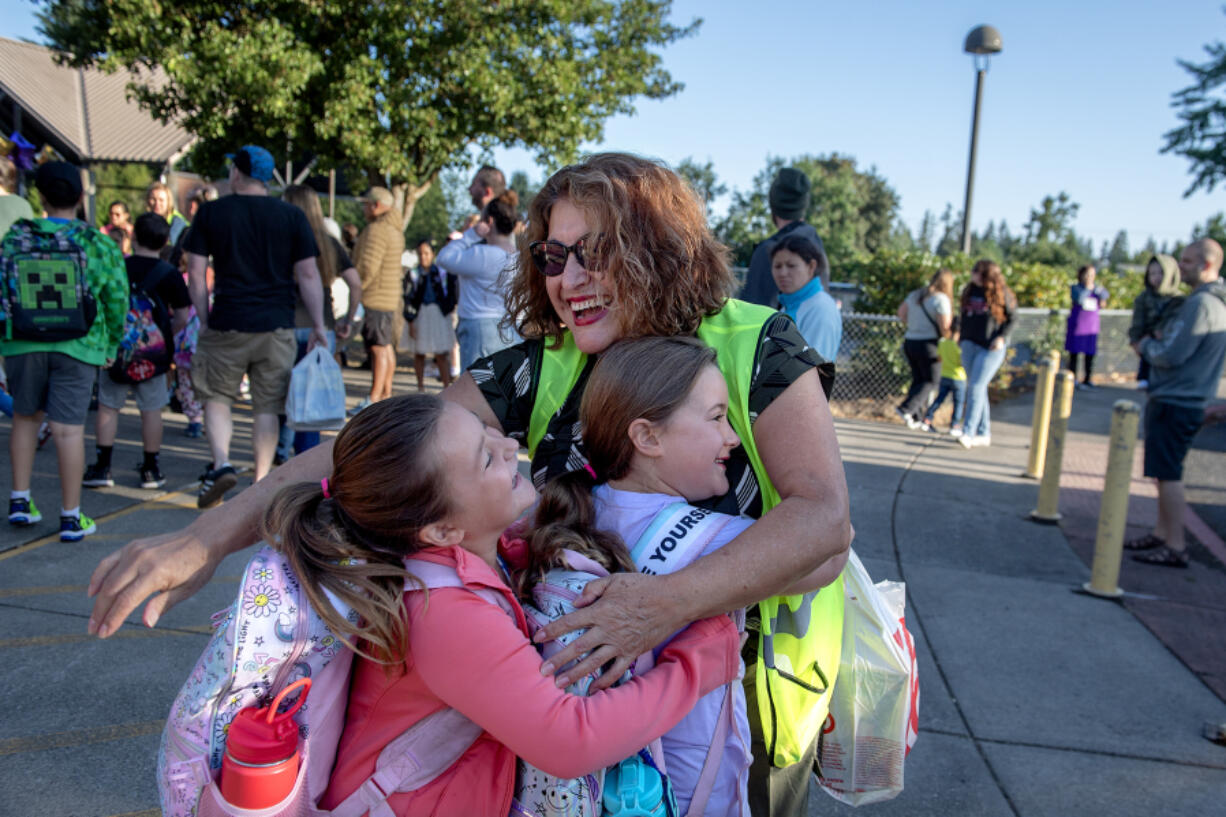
x: 983, y: 40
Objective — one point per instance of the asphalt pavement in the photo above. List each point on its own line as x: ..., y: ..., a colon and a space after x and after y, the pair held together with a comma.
x: 1036, y: 700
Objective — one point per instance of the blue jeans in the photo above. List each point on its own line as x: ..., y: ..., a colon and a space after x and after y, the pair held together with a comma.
x: 300, y: 441
x: 949, y: 386
x: 981, y: 366
x: 481, y: 337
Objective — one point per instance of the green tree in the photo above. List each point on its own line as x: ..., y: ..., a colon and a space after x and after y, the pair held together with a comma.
x: 1201, y: 107
x: 927, y: 232
x: 1118, y: 253
x: 397, y: 89
x: 1214, y: 227
x: 524, y: 187
x: 703, y: 179
x: 854, y: 211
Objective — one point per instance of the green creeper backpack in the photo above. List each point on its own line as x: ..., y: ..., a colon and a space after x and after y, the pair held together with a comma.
x: 43, y: 292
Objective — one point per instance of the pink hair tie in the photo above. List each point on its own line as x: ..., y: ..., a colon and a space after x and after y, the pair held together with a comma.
x: 323, y: 483
x: 591, y: 471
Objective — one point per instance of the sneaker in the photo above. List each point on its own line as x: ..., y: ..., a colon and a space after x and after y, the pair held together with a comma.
x: 911, y: 422
x: 927, y: 426
x: 194, y: 430
x: 97, y: 477
x: 213, y: 485
x: 76, y: 528
x: 955, y: 432
x: 982, y: 441
x: 1088, y: 385
x: 152, y: 477
x: 967, y: 441
x: 1142, y: 385
x: 353, y: 412
x: 23, y: 513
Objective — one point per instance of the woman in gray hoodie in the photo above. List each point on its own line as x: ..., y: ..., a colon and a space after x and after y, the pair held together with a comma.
x: 1158, y: 301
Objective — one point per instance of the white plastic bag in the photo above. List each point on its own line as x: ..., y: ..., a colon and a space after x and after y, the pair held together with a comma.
x: 316, y: 400
x: 874, y: 709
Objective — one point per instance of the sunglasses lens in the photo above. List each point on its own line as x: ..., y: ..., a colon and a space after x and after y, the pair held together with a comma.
x: 549, y: 257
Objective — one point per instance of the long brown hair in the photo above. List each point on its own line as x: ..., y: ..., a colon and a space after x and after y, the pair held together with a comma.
x: 383, y: 490
x: 995, y: 291
x: 307, y: 200
x: 649, y: 236
x: 647, y: 378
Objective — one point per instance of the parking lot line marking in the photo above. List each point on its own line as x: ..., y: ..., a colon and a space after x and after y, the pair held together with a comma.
x: 169, y: 498
x: 79, y: 737
x: 72, y: 638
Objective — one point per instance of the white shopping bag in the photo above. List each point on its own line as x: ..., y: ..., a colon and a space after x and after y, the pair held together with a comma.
x: 874, y: 709
x: 316, y: 400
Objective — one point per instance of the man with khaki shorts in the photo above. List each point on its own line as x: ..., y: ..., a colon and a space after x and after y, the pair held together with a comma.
x: 260, y: 246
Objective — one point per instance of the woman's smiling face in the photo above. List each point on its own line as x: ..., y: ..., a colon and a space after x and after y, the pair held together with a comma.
x: 579, y: 296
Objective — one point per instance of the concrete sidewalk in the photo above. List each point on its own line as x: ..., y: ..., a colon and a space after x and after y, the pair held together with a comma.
x: 1035, y: 700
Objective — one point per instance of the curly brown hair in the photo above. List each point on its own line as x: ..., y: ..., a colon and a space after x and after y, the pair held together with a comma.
x: 995, y: 291
x: 664, y: 269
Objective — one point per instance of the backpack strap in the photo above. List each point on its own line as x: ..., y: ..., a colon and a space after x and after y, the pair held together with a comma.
x: 159, y: 273
x: 423, y: 752
x: 715, y: 756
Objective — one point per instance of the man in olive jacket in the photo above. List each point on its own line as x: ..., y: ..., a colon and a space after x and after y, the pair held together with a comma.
x: 377, y: 258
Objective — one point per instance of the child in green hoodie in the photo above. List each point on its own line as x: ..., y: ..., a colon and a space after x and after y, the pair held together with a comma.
x: 1158, y: 301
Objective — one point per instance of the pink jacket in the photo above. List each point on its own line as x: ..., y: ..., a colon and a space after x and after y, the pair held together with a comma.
x: 466, y: 653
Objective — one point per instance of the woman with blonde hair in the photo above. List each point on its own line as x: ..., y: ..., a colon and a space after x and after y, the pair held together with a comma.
x: 618, y: 246
x: 988, y: 306
x: 928, y: 314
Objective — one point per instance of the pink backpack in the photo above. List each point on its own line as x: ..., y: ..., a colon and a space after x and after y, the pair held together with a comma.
x: 267, y: 640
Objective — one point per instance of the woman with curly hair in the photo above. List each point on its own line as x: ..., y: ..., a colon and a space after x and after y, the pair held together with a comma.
x: 988, y: 306
x: 618, y: 247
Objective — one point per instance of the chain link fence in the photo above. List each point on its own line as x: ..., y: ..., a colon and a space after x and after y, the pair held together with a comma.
x: 873, y: 375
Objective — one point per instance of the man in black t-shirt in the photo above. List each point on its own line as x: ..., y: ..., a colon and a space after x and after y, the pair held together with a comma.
x: 260, y: 246
x: 150, y: 235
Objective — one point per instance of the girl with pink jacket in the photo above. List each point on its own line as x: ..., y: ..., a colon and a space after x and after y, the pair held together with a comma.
x: 419, y: 476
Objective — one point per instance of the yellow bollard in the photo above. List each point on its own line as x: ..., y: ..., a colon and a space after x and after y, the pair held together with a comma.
x: 1113, y: 513
x: 1048, y: 510
x: 1042, y: 414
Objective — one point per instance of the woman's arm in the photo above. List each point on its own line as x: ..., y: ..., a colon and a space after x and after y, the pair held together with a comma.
x: 902, y: 311
x: 474, y: 658
x: 630, y: 613
x: 175, y: 565
x: 466, y: 257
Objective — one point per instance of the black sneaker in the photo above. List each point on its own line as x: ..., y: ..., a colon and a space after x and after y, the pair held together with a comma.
x: 97, y: 476
x: 152, y: 477
x: 214, y: 484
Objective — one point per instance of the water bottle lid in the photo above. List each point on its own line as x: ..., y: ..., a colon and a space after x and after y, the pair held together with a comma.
x: 262, y: 736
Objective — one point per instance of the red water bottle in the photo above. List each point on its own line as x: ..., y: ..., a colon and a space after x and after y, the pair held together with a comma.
x: 261, y: 760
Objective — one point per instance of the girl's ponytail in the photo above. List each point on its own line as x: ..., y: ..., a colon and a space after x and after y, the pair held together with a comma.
x: 383, y: 490
x: 566, y: 520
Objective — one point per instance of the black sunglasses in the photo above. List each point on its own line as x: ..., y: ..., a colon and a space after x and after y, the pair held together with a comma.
x: 550, y: 256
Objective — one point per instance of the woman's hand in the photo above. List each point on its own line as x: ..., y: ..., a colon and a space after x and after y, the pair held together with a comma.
x: 625, y: 614
x: 173, y: 565
x: 997, y: 344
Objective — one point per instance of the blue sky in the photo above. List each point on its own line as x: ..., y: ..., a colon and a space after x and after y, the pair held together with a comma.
x: 1078, y: 101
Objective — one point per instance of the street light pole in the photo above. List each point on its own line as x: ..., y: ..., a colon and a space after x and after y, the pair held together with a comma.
x: 982, y: 42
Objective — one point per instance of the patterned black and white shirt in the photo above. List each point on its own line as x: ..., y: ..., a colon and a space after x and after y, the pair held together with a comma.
x: 507, y: 379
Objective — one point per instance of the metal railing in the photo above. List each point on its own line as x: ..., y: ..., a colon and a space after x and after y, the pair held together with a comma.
x: 871, y: 366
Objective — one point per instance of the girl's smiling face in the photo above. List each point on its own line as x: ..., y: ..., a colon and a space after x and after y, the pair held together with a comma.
x: 1154, y: 274
x: 485, y: 490
x: 790, y: 271
x: 696, y: 440
x: 579, y: 296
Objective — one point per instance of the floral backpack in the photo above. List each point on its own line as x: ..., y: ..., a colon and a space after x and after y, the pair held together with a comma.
x: 268, y: 639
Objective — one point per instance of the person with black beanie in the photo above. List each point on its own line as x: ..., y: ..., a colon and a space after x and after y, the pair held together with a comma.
x: 789, y: 201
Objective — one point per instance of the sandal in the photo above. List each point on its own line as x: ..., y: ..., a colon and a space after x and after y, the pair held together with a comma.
x: 1146, y: 542
x: 1164, y: 557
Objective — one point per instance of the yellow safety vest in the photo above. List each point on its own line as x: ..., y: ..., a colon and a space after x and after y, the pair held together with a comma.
x: 801, y: 636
